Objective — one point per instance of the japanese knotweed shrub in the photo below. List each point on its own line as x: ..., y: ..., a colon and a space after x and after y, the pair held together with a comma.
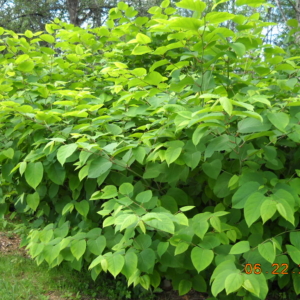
x: 162, y: 147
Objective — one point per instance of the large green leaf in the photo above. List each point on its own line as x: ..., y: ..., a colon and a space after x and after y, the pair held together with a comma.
x: 295, y: 239
x: 65, y: 151
x: 296, y: 283
x: 113, y: 129
x: 22, y: 168
x: 153, y: 78
x: 36, y: 249
x: 285, y: 210
x: 9, y: 153
x: 144, y: 281
x: 238, y: 48
x: 50, y: 253
x: 216, y: 223
x: 126, y: 188
x: 267, y: 210
x: 34, y: 174
x: 56, y: 173
x: 252, y: 207
x: 144, y: 197
x: 110, y: 191
x: 280, y: 120
x: 233, y: 282
x: 186, y: 23
x: 26, y: 66
x: 129, y: 221
x: 218, y: 284
x: 115, y: 264
x: 242, y: 194
x: 181, y: 248
x: 139, y: 50
x: 226, y: 104
x: 294, y: 253
x: 97, y: 246
x: 267, y: 251
x: 158, y: 64
x: 184, y: 287
x: 159, y: 221
x: 218, y: 17
x: 213, y: 168
x: 198, y: 134
x: 200, y: 224
x: 221, y: 189
x: 96, y: 262
x: 48, y: 38
x: 220, y: 143
x: 146, y: 260
x: 98, y: 167
x: 67, y: 208
x: 172, y: 154
x: 252, y: 284
x: 240, y: 247
x: 130, y: 264
x: 139, y: 154
x: 82, y: 207
x: 33, y: 200
x: 162, y: 248
x: 78, y: 248
x: 201, y: 258
x: 195, y: 5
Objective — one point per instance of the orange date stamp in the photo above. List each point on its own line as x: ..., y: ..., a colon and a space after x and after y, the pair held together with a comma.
x: 278, y: 269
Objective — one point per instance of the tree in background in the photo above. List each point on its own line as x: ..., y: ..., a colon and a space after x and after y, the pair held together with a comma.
x: 20, y: 15
x: 14, y: 12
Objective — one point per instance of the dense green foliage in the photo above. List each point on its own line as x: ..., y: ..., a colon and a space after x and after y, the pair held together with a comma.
x: 162, y: 147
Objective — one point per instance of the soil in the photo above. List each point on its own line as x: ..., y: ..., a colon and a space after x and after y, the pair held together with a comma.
x: 9, y: 244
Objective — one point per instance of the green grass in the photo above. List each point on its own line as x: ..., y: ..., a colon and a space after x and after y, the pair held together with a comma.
x: 20, y: 278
